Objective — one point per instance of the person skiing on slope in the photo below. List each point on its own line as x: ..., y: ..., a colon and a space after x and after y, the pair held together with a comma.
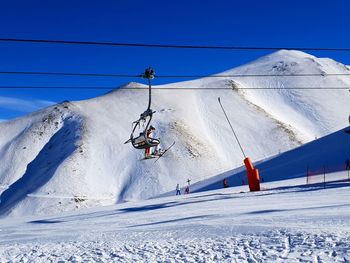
x: 149, y: 134
x: 187, y: 189
x: 178, y: 189
x: 225, y: 182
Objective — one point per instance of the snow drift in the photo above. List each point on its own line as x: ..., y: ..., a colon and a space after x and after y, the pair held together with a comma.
x: 72, y: 155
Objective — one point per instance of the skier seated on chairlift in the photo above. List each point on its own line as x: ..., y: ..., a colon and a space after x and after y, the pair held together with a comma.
x: 156, y: 150
x: 149, y: 134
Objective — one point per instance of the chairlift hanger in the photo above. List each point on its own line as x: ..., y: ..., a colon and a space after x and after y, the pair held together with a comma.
x: 142, y: 141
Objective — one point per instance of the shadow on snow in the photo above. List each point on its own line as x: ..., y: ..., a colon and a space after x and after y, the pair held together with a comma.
x: 41, y: 169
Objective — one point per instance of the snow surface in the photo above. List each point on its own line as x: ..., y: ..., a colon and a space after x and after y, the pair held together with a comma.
x: 287, y: 222
x: 72, y: 155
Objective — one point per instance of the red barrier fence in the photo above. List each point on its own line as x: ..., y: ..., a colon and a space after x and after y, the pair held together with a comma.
x: 324, y: 174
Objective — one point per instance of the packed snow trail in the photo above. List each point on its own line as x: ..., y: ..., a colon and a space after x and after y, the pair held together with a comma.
x: 269, y: 246
x: 287, y: 224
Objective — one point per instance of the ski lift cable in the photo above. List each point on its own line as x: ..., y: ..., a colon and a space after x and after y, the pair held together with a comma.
x: 144, y: 45
x: 171, y: 76
x: 177, y: 89
x: 252, y: 88
x: 255, y: 75
x: 71, y: 74
x: 57, y: 87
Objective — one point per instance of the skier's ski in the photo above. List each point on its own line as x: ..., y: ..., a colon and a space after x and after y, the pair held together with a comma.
x: 151, y: 156
x: 167, y: 149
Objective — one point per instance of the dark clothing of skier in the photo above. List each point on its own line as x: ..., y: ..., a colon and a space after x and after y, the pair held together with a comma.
x: 178, y: 189
x: 149, y: 135
x: 187, y: 189
x: 225, y: 182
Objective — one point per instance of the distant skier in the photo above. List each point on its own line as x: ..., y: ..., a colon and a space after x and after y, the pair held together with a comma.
x: 178, y: 192
x: 149, y: 134
x: 187, y: 189
x: 225, y: 183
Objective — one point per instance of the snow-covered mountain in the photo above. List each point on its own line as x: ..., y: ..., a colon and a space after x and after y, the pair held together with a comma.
x: 73, y: 155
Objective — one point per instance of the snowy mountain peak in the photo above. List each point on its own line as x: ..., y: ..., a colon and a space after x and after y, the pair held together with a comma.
x: 286, y: 53
x: 287, y: 62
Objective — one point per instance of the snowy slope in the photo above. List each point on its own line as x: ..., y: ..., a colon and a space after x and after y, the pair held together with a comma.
x: 311, y: 112
x: 326, y: 155
x: 288, y: 224
x: 72, y: 155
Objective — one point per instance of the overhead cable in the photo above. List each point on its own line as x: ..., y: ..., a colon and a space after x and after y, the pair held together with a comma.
x: 172, y: 76
x: 98, y: 43
x: 177, y: 88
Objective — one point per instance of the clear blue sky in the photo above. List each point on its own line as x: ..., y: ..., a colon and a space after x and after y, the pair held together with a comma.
x: 229, y: 23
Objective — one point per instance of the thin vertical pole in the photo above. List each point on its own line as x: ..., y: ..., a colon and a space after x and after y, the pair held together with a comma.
x: 233, y: 131
x: 149, y: 94
x: 324, y: 176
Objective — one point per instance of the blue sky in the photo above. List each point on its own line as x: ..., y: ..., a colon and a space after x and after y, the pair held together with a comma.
x: 229, y: 23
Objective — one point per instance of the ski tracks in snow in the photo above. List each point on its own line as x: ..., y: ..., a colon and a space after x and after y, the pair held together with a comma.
x: 270, y: 246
